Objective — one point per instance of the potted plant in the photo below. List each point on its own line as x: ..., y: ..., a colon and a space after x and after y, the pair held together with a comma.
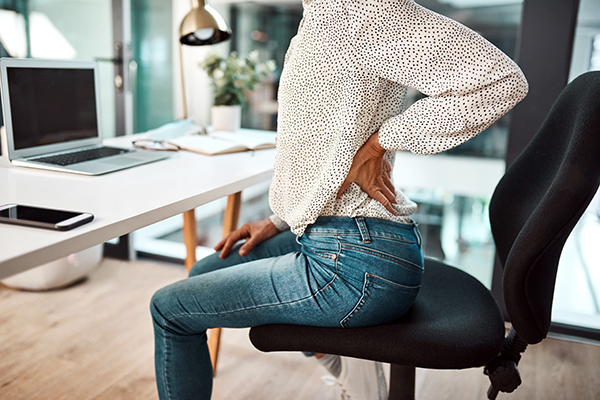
x: 232, y: 78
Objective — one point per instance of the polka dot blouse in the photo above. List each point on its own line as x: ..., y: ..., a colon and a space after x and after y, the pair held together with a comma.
x: 345, y: 77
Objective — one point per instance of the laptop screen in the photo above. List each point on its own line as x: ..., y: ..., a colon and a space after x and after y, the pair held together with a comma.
x: 51, y: 105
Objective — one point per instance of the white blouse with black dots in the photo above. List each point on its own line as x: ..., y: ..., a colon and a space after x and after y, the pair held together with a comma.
x: 345, y: 77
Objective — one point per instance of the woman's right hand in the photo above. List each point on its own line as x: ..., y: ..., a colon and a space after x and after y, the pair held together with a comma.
x: 255, y: 233
x: 371, y: 171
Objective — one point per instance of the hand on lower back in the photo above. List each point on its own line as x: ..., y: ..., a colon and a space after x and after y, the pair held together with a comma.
x: 372, y: 172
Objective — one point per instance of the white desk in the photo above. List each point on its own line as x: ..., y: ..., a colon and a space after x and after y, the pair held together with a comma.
x: 121, y: 201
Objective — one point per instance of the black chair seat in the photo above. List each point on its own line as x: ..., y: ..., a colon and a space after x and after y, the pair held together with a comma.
x: 454, y: 323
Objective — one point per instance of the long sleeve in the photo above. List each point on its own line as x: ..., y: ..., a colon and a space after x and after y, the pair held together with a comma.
x: 280, y: 224
x: 469, y: 82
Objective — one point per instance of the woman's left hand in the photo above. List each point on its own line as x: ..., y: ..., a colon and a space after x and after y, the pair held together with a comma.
x: 372, y: 172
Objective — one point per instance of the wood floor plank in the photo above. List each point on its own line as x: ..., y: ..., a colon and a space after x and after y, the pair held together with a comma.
x: 469, y: 384
x: 94, y: 341
x: 99, y: 328
x: 554, y: 369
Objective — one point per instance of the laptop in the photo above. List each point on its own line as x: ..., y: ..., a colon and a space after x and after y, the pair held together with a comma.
x: 52, y: 118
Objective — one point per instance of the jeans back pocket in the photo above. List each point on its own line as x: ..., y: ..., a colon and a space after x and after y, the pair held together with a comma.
x: 381, y: 301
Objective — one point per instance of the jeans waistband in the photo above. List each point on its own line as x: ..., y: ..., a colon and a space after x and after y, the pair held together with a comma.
x: 365, y: 227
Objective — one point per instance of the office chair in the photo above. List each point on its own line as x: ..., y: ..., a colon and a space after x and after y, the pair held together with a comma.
x: 455, y: 322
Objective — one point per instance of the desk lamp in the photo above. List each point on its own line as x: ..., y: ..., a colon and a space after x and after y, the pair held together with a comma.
x: 203, y: 25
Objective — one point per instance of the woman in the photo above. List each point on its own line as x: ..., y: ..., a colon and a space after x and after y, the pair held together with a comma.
x: 340, y: 249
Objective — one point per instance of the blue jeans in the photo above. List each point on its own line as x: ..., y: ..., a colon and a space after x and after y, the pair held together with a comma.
x: 343, y: 272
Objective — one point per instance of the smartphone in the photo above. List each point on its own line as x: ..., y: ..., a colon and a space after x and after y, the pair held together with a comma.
x: 60, y: 220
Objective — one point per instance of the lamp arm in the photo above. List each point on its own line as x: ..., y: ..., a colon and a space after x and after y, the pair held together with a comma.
x: 183, y: 101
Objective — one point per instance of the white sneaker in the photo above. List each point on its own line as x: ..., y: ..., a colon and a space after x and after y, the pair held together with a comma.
x: 339, y: 393
x: 361, y: 380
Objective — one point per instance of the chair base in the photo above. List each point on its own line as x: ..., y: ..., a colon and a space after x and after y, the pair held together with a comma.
x: 402, y: 382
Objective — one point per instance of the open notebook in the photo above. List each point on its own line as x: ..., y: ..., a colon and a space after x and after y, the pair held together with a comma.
x: 220, y: 142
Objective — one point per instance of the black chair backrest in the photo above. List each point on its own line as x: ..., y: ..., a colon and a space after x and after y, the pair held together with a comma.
x: 539, y: 200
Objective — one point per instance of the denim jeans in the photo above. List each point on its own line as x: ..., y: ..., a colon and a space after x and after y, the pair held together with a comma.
x: 343, y: 272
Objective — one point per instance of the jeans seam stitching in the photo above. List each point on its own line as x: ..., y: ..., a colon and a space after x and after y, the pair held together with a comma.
x: 384, y: 255
x: 342, y: 234
x: 361, y: 302
x: 336, y: 266
x: 396, y: 239
x: 165, y: 375
x: 331, y: 232
x: 320, y: 255
x: 254, y: 307
x: 399, y: 285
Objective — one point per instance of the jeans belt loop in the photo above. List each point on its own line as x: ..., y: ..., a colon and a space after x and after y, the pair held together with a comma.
x: 362, y: 228
x: 417, y: 234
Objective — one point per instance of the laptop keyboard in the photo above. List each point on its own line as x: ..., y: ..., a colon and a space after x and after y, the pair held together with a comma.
x: 80, y: 156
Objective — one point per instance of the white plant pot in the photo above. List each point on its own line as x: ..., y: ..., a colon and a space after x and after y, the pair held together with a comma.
x: 59, y: 273
x: 226, y: 118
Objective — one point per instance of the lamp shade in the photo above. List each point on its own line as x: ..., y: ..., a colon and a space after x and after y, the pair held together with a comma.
x: 203, y: 25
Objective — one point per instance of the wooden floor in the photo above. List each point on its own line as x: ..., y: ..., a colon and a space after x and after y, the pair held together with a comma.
x: 94, y: 341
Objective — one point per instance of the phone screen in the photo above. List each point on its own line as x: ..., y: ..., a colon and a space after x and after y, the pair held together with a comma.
x: 35, y: 214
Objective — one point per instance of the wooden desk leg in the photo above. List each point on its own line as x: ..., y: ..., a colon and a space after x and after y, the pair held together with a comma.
x: 230, y: 222
x: 190, y: 238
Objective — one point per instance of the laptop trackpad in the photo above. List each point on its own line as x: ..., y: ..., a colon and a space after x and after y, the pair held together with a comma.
x: 120, y: 161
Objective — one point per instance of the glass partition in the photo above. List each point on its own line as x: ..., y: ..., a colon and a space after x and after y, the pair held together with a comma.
x: 151, y: 67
